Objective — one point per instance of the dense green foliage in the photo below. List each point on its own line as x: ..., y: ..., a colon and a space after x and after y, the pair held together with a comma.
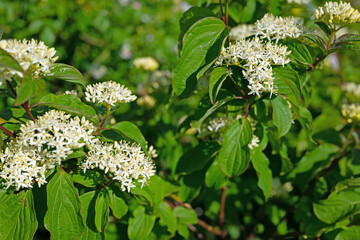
x: 301, y: 180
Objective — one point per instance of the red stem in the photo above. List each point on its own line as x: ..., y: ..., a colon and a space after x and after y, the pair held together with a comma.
x: 8, y: 132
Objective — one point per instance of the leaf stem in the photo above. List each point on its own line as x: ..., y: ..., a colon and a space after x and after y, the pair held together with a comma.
x: 8, y: 132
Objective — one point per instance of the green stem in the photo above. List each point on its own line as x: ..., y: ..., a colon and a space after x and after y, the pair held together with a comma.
x: 331, y: 38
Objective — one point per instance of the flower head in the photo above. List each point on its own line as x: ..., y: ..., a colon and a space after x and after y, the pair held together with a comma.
x: 146, y: 63
x: 122, y: 161
x: 241, y: 31
x: 337, y: 13
x: 272, y: 27
x: 31, y: 55
x: 108, y: 93
x: 351, y: 112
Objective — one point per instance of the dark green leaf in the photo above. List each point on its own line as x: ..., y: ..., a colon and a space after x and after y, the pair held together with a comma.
x: 218, y: 76
x: 102, y: 210
x: 299, y: 52
x: 167, y: 217
x: 191, y: 16
x: 70, y: 104
x: 117, y: 204
x: 196, y: 158
x: 63, y: 218
x: 261, y: 166
x: 7, y: 61
x: 88, y: 213
x: 282, y: 115
x: 348, y: 38
x: 185, y: 215
x: 341, y: 46
x: 67, y: 73
x: 29, y: 88
x: 17, y: 215
x: 130, y: 131
x: 287, y: 81
x: 234, y: 154
x: 90, y: 178
x: 324, y: 27
x: 197, y: 41
x: 140, y: 225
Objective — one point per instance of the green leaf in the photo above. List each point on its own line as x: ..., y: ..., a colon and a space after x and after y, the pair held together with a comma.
x: 191, y: 16
x: 342, y: 46
x: 196, y: 158
x: 130, y: 132
x: 140, y: 225
x: 67, y: 73
x: 214, y: 178
x: 324, y: 27
x: 70, y: 104
x: 29, y: 88
x: 183, y: 231
x: 88, y: 213
x: 185, y: 215
x: 249, y: 11
x: 117, y: 204
x: 90, y: 178
x: 234, y: 154
x: 63, y: 218
x: 17, y: 215
x: 167, y: 217
x: 7, y: 61
x: 348, y: 38
x: 205, y: 108
x: 282, y: 115
x: 196, y: 43
x: 347, y: 184
x: 299, y: 52
x: 287, y: 81
x: 337, y: 206
x: 102, y: 209
x: 144, y: 194
x: 160, y: 189
x: 217, y: 77
x: 350, y: 233
x: 261, y: 166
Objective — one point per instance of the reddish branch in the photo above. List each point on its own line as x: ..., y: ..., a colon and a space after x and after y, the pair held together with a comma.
x: 25, y: 105
x: 8, y: 132
x: 222, y: 212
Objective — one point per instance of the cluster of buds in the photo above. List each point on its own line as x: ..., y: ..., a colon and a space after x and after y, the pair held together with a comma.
x: 337, y: 13
x: 146, y: 63
x: 351, y: 112
x: 31, y: 55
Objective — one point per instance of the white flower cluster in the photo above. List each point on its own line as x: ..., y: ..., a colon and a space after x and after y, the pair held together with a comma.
x: 108, y: 93
x: 146, y: 63
x: 256, y: 57
x: 241, y: 31
x: 351, y: 112
x: 272, y: 27
x: 122, y: 161
x: 41, y: 145
x: 254, y: 142
x: 337, y: 13
x: 31, y: 55
x: 351, y: 88
x: 218, y: 123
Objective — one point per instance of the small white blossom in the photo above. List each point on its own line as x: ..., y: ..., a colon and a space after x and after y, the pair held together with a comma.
x: 256, y: 57
x: 254, y: 142
x: 218, y: 123
x: 146, y: 63
x: 32, y: 56
x: 122, y: 161
x: 272, y: 27
x: 108, y: 93
x: 152, y: 152
x: 337, y: 13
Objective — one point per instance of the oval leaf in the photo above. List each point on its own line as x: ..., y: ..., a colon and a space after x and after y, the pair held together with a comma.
x: 29, y: 88
x: 264, y: 174
x: 217, y: 77
x: 282, y: 115
x: 67, y: 73
x: 102, y: 210
x: 140, y: 225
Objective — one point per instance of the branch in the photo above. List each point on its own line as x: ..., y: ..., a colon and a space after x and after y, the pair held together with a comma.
x: 8, y: 132
x: 222, y: 213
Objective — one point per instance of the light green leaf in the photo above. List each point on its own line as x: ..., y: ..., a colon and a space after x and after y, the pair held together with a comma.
x: 217, y: 77
x: 249, y: 10
x: 196, y: 43
x: 185, y: 215
x: 261, y: 166
x: 67, y: 73
x: 7, y: 61
x: 234, y: 154
x: 117, y: 204
x: 102, y: 209
x: 167, y: 217
x: 70, y: 104
x: 287, y: 81
x: 282, y: 115
x: 196, y: 158
x: 63, y: 218
x: 299, y: 52
x: 214, y: 178
x: 88, y: 213
x: 350, y: 233
x: 17, y: 215
x: 140, y: 225
x: 29, y: 88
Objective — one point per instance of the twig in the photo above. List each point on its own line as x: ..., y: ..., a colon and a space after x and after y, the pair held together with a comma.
x: 8, y: 132
x: 222, y: 213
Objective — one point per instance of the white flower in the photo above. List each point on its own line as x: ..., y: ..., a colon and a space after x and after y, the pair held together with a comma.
x: 272, y: 27
x: 32, y: 56
x: 146, y: 63
x: 108, y: 93
x: 337, y: 13
x: 351, y: 112
x: 122, y: 161
x: 254, y: 142
x: 256, y: 57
